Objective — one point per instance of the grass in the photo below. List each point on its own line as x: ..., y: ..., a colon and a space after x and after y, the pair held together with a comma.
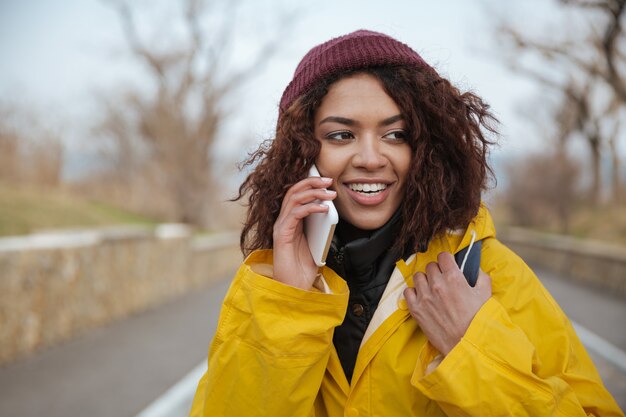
x: 604, y: 223
x: 25, y: 209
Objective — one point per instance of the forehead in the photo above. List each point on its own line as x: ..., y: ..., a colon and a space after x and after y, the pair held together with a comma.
x: 357, y: 96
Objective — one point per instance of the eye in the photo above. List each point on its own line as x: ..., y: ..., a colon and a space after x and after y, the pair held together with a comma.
x: 396, y: 136
x: 340, y: 136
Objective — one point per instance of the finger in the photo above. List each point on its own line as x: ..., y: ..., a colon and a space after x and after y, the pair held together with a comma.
x: 446, y: 262
x: 420, y: 281
x: 286, y: 225
x: 411, y: 298
x: 308, y: 183
x: 305, y: 184
x: 483, y: 283
x: 311, y: 195
x: 305, y: 197
x: 313, y: 182
x: 432, y: 270
x: 305, y: 210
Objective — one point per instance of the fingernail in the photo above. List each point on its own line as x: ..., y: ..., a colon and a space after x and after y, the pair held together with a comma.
x: 327, y: 180
x: 331, y: 192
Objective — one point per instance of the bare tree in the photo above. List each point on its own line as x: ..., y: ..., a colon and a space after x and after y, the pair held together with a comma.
x: 10, y: 159
x: 590, y: 80
x: 616, y: 184
x: 30, y: 153
x: 543, y: 189
x: 165, y: 138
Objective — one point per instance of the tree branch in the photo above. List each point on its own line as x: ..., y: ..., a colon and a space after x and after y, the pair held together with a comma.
x: 613, y: 31
x: 130, y: 32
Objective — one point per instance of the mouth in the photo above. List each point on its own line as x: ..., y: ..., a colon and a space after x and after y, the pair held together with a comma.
x: 369, y: 193
x: 367, y: 188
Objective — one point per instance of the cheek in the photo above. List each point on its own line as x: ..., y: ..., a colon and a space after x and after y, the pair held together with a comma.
x: 328, y: 163
x: 403, y: 163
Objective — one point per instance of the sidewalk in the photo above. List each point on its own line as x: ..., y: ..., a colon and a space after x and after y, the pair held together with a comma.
x: 118, y: 370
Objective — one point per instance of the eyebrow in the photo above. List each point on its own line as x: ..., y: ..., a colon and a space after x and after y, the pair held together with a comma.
x: 391, y: 120
x: 349, y: 122
x: 337, y: 119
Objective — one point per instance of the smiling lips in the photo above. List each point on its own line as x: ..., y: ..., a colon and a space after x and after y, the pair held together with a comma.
x: 368, y: 194
x: 368, y: 188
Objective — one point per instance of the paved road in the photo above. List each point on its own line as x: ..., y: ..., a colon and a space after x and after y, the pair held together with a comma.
x: 600, y: 311
x: 116, y: 371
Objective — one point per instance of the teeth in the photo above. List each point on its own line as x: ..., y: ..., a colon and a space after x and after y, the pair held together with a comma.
x: 367, y: 188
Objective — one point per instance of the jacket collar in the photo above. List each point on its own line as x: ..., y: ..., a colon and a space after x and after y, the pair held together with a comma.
x: 355, y: 257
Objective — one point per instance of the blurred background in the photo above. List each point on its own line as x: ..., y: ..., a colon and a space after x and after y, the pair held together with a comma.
x: 136, y: 113
x: 140, y: 110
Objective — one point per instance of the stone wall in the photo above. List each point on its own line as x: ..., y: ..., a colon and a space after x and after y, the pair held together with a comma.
x: 593, y: 263
x: 55, y: 285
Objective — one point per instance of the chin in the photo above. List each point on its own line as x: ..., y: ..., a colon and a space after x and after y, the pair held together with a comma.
x: 365, y: 222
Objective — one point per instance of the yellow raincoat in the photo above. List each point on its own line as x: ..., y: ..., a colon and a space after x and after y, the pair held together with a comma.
x: 273, y: 355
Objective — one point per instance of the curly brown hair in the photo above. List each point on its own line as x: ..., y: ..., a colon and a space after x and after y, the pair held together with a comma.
x: 448, y: 134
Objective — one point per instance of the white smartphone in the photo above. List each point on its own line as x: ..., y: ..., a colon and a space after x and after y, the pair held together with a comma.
x: 320, y: 227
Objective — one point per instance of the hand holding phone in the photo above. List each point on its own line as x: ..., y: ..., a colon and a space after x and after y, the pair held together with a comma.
x: 320, y: 227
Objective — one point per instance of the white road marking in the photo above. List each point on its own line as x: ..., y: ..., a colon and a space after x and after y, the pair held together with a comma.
x: 597, y: 344
x: 176, y: 401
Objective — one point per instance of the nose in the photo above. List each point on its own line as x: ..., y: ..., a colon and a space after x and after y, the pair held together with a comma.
x: 369, y: 154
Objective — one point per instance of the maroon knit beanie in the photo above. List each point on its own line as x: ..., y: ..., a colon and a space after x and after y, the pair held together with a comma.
x: 360, y: 49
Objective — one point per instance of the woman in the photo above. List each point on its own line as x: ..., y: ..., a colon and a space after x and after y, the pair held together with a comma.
x: 390, y: 326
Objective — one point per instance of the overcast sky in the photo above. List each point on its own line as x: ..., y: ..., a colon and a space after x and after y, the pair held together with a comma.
x: 55, y: 56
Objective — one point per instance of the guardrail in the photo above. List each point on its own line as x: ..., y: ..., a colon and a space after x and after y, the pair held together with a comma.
x: 55, y: 285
